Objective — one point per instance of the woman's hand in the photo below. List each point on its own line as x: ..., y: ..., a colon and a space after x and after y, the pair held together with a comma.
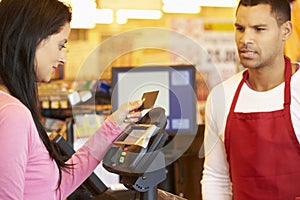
x: 127, y: 113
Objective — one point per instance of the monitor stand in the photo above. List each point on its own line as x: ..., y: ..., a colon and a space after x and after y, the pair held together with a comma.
x: 146, y: 184
x: 149, y: 195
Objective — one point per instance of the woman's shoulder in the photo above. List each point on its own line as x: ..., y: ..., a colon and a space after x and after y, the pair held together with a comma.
x: 12, y: 106
x: 15, y: 119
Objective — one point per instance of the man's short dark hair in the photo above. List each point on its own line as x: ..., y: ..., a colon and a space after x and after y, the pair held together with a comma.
x: 280, y: 9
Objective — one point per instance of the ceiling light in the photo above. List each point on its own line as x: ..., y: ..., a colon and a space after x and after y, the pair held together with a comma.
x: 181, y: 6
x: 218, y: 3
x: 83, y: 13
x: 181, y: 9
x: 124, y: 14
x: 104, y: 16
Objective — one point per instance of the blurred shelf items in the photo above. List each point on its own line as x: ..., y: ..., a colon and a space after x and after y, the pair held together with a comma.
x: 74, y: 109
x: 60, y: 100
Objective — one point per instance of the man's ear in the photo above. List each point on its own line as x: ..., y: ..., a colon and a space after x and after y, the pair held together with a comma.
x: 286, y: 29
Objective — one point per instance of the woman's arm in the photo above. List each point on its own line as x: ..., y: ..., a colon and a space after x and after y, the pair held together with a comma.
x: 92, y: 152
x: 14, y: 139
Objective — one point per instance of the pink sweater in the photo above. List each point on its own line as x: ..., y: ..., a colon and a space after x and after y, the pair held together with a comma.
x: 26, y: 169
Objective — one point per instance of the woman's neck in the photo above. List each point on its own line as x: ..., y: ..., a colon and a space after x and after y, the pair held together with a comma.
x: 4, y: 88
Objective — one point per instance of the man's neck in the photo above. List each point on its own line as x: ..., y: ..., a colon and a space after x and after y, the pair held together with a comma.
x: 263, y: 80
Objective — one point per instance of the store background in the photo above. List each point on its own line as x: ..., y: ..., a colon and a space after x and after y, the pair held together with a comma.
x: 211, y: 27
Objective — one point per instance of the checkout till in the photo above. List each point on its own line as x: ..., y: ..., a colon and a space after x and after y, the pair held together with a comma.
x: 135, y: 156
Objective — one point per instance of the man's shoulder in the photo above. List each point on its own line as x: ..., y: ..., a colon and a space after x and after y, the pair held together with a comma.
x: 229, y: 84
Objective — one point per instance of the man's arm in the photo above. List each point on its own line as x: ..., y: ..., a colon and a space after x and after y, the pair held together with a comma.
x: 215, y: 182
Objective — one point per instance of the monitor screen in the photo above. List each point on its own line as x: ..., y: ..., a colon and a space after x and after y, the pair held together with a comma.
x: 176, y: 86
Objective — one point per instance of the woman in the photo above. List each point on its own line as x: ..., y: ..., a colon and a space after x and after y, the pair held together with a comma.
x: 33, y: 34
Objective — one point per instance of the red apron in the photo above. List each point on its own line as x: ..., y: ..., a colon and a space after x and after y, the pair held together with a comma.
x: 263, y: 151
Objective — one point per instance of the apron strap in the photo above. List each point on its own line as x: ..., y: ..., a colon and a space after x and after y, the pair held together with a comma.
x: 236, y: 95
x: 287, y: 88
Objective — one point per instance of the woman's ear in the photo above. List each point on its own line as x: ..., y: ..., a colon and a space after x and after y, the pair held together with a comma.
x: 286, y: 29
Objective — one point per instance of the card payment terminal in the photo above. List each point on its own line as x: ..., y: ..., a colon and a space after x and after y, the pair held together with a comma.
x: 136, y: 154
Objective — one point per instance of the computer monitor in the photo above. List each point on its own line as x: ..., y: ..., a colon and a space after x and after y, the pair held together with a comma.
x: 176, y: 85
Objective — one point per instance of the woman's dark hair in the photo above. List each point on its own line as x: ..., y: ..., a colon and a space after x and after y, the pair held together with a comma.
x: 280, y: 9
x: 23, y: 25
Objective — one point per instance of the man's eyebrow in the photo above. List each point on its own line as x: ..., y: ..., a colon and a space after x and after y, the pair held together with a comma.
x: 256, y: 25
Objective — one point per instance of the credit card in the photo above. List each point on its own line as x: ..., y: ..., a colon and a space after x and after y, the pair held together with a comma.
x: 149, y: 99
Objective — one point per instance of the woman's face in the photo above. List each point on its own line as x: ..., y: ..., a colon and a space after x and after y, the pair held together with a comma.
x: 50, y: 53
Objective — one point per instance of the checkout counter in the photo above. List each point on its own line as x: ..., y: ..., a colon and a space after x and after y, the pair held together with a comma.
x: 131, y: 195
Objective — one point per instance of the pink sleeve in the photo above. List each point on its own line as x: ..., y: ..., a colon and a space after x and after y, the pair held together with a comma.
x: 14, y: 133
x: 99, y: 142
x: 89, y: 156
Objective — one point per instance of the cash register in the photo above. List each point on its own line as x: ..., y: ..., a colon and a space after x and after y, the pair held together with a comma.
x: 136, y: 154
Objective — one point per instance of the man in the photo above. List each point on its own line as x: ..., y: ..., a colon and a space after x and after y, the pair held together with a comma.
x: 253, y: 118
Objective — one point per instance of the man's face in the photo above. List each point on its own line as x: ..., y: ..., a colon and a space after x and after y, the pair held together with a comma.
x: 258, y: 36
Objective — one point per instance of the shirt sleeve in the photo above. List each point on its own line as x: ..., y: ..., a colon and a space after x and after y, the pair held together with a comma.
x: 87, y: 158
x: 215, y: 182
x: 14, y: 133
